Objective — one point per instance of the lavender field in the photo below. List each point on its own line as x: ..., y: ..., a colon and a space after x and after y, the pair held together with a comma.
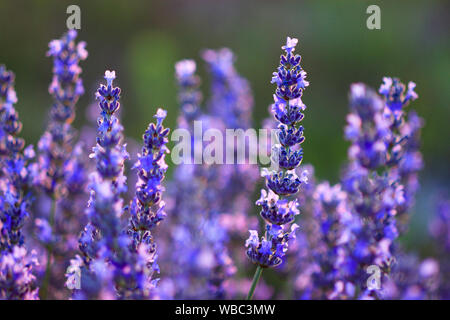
x: 292, y: 161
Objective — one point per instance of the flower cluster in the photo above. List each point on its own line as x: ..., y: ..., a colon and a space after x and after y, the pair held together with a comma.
x: 58, y: 160
x: 367, y: 128
x: 200, y: 265
x: 7, y: 99
x: 332, y: 216
x: 147, y: 208
x: 374, y: 198
x: 102, y: 239
x: 16, y: 180
x: 348, y: 229
x: 231, y: 99
x: 403, y: 156
x: 66, y: 88
x: 189, y: 96
x: 119, y: 261
x: 16, y: 279
x: 17, y: 173
x: 278, y: 212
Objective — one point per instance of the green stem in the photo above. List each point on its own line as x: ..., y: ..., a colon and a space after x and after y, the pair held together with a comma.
x: 256, y: 277
x: 45, y: 283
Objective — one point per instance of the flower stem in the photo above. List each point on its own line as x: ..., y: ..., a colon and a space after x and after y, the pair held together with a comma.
x: 45, y: 283
x: 256, y: 277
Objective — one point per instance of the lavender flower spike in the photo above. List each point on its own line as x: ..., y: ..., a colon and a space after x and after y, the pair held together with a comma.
x: 404, y: 157
x: 372, y: 197
x: 16, y: 179
x: 147, y: 208
x: 17, y: 281
x: 66, y: 88
x: 56, y: 144
x: 102, y: 242
x: 277, y: 211
x: 17, y: 174
x: 189, y: 96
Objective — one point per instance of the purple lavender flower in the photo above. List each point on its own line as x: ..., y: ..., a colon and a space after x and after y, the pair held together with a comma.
x: 202, y: 265
x: 270, y: 249
x: 367, y: 129
x: 189, y: 96
x: 147, y: 208
x: 332, y: 216
x: 231, y: 99
x: 16, y: 279
x: 373, y: 197
x: 404, y: 157
x: 17, y: 177
x: 287, y: 109
x: 396, y: 95
x: 103, y: 240
x: 66, y: 88
x: 231, y: 103
x: 7, y: 99
x: 56, y: 144
x: 18, y: 173
x: 412, y: 279
x: 108, y: 182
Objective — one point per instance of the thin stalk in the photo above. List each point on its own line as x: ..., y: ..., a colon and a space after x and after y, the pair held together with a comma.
x: 256, y: 277
x: 45, y: 283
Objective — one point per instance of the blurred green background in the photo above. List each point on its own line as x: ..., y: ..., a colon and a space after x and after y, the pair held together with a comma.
x: 142, y: 40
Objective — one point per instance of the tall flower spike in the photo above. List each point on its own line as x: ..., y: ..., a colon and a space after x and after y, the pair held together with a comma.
x: 55, y: 145
x: 147, y: 208
x: 367, y: 129
x: 66, y: 88
x: 373, y: 196
x: 7, y: 99
x: 403, y: 158
x: 290, y: 79
x: 332, y: 216
x: 189, y: 96
x: 17, y: 281
x: 231, y: 98
x: 231, y: 104
x: 17, y: 175
x: 102, y: 242
x: 108, y: 182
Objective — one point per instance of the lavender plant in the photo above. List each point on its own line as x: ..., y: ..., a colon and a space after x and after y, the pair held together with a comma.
x: 147, y: 208
x: 200, y: 261
x: 333, y: 216
x: 120, y: 261
x: 17, y: 172
x: 279, y: 212
x: 16, y: 180
x: 231, y: 101
x: 404, y: 158
x: 348, y: 227
x: 102, y: 239
x: 374, y: 197
x: 56, y: 144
